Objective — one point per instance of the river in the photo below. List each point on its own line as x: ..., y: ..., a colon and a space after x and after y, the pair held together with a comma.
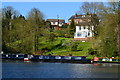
x: 21, y: 69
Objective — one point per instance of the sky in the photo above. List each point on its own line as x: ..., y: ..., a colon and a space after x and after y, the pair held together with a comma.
x: 50, y: 9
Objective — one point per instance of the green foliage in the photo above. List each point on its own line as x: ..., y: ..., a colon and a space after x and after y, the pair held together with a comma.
x: 107, y: 40
x: 51, y: 37
x: 74, y: 47
x: 34, y: 34
x: 20, y: 34
x: 71, y: 28
x: 61, y: 33
x: 80, y: 48
x: 64, y: 46
x: 65, y: 26
x: 92, y: 51
x: 105, y: 31
x: 95, y: 22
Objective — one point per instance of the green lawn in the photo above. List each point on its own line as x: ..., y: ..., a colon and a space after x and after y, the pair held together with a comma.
x: 62, y: 46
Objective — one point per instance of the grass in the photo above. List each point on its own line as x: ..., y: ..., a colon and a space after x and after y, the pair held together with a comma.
x: 62, y: 46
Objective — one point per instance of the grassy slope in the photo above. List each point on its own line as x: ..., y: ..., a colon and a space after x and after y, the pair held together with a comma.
x: 62, y: 46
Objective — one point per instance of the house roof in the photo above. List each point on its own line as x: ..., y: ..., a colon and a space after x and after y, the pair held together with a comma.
x: 56, y: 20
x: 85, y: 24
x: 80, y: 17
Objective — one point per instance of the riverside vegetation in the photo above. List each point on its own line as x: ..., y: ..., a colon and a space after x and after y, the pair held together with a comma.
x: 33, y: 35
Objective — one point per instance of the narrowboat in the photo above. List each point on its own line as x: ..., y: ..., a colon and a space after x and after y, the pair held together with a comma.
x: 106, y: 60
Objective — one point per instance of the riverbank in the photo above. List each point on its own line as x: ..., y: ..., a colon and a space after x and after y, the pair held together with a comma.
x: 60, y: 59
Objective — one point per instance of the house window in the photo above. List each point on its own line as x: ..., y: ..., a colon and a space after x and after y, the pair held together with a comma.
x: 88, y: 33
x: 53, y: 22
x: 79, y: 28
x: 74, y: 34
x: 84, y: 27
x: 88, y: 27
x: 78, y: 34
x: 84, y: 34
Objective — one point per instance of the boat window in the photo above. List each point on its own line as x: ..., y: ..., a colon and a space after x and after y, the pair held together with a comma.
x: 40, y: 57
x: 67, y: 57
x: 57, y: 57
x: 78, y: 58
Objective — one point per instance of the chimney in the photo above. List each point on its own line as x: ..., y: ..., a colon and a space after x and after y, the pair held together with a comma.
x: 76, y: 15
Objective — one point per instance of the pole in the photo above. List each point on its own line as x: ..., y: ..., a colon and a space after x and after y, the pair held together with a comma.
x: 58, y: 19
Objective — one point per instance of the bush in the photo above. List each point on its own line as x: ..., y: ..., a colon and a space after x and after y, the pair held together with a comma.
x: 80, y: 48
x: 51, y: 37
x: 74, y: 47
x: 92, y: 51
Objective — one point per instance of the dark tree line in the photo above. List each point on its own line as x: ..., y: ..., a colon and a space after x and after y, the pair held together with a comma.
x: 20, y: 34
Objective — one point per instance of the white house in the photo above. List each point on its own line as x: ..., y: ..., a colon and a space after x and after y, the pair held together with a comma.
x: 56, y: 22
x: 83, y: 32
x: 84, y: 26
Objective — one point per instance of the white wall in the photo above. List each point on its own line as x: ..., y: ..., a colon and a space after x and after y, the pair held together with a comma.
x: 56, y: 23
x: 83, y: 32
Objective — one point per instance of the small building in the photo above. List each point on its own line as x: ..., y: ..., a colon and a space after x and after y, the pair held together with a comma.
x: 56, y: 23
x: 84, y: 27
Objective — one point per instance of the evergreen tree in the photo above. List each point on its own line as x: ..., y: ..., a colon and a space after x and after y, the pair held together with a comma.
x: 71, y: 28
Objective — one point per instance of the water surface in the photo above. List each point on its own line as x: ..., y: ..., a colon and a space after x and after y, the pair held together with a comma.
x: 20, y: 69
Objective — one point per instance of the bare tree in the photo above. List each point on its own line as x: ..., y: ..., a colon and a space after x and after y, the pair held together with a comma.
x: 93, y: 8
x: 88, y: 7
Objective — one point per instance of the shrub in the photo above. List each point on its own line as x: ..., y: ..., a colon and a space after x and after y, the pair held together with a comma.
x: 80, y: 48
x: 92, y: 51
x: 74, y: 47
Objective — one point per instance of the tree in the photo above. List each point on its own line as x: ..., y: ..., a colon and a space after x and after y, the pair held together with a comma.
x: 36, y: 18
x: 106, y: 42
x: 89, y: 7
x: 22, y: 35
x: 95, y: 23
x: 92, y: 8
x: 115, y: 8
x: 118, y: 39
x: 22, y: 17
x: 7, y: 17
x: 71, y: 27
x: 106, y: 30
